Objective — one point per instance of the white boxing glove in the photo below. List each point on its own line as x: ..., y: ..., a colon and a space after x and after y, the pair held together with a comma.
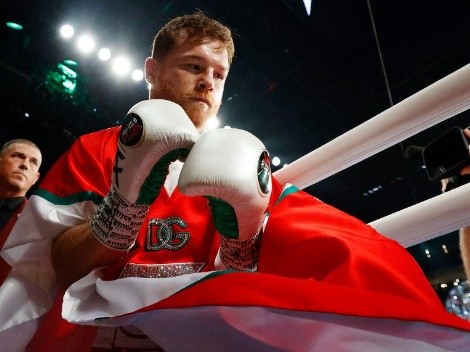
x: 231, y: 167
x: 154, y: 133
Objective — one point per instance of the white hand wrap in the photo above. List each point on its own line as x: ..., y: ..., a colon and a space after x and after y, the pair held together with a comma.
x: 238, y: 255
x: 117, y: 221
x: 231, y: 167
x: 154, y: 133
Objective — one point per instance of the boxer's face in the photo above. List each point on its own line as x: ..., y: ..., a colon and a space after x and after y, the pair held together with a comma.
x: 192, y: 75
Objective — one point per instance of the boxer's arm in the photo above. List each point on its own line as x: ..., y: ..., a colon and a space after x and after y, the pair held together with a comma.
x: 76, y: 252
x: 154, y: 134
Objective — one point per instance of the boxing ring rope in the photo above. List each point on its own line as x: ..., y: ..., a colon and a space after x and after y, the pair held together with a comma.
x: 431, y: 218
x: 439, y: 101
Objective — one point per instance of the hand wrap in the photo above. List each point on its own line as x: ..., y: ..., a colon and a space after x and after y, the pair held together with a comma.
x: 117, y: 221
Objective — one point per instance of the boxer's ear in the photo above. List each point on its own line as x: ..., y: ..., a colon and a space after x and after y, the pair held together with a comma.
x: 150, y: 70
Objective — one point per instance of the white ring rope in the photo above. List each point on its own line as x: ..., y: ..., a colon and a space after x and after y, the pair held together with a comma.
x: 431, y: 218
x: 435, y: 103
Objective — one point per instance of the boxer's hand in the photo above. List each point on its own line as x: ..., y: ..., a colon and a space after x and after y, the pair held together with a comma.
x: 154, y: 133
x: 231, y: 167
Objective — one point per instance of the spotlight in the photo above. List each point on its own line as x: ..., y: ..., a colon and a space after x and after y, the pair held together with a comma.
x: 137, y: 75
x: 104, y: 54
x: 15, y: 26
x: 121, y: 66
x: 67, y: 31
x: 86, y: 43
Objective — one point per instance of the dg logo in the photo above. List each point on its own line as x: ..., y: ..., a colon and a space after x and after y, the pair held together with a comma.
x: 160, y: 234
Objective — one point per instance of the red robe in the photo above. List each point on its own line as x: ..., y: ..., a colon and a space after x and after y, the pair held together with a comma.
x: 314, y: 260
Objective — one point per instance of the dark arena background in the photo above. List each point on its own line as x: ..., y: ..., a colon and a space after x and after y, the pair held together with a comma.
x: 304, y: 73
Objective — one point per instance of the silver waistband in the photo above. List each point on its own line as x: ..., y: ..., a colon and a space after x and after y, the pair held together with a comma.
x: 160, y: 270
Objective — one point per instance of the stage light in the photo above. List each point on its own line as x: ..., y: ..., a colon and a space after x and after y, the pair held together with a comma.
x: 14, y: 25
x: 60, y: 81
x: 104, y: 54
x: 276, y: 161
x: 68, y: 78
x: 121, y: 66
x: 67, y: 31
x: 137, y: 75
x: 308, y: 6
x: 86, y: 43
x: 71, y: 63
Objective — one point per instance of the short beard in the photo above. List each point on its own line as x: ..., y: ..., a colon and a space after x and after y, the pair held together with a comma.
x: 198, y: 117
